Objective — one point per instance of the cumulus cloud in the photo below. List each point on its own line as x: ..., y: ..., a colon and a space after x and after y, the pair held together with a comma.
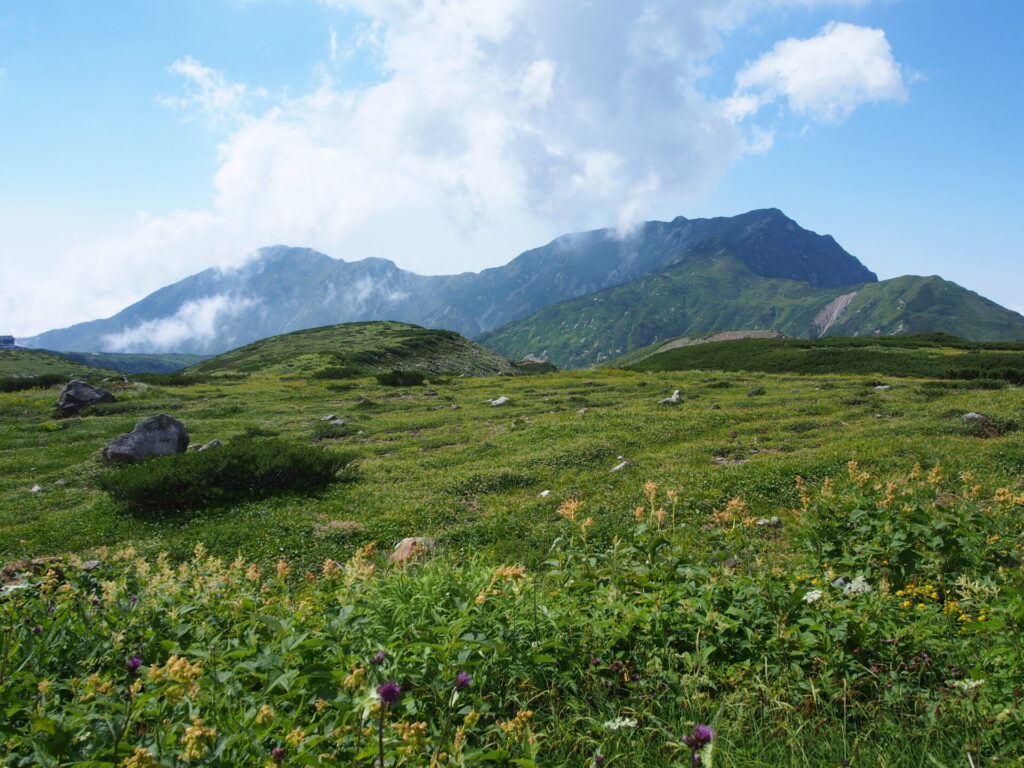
x: 195, y: 321
x: 493, y: 125
x: 825, y: 77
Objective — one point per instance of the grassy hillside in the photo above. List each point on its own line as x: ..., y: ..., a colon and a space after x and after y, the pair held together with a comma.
x: 586, y: 628
x: 711, y: 291
x: 361, y: 348
x: 912, y: 304
x: 33, y: 362
x: 134, y: 363
x: 877, y: 620
x: 630, y: 358
x: 932, y: 355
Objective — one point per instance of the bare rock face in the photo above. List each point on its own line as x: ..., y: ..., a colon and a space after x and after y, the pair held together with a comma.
x: 412, y: 549
x: 159, y: 435
x: 77, y: 394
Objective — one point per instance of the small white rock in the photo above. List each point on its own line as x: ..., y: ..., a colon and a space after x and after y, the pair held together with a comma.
x: 544, y: 494
x: 972, y: 416
x: 673, y: 400
x: 617, y: 467
x: 500, y: 401
x: 328, y: 417
x: 35, y: 489
x: 581, y: 411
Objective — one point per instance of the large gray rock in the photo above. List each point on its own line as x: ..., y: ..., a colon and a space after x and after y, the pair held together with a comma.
x: 159, y: 435
x: 77, y: 394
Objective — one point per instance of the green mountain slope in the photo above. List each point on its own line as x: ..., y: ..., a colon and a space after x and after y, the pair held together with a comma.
x: 361, y: 348
x: 710, y: 289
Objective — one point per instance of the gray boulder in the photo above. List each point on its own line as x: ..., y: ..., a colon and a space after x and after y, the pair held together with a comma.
x: 673, y: 400
x: 77, y: 394
x: 159, y: 435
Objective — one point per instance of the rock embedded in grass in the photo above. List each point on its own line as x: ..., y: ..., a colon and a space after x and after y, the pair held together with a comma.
x: 77, y: 394
x: 672, y: 400
x: 412, y: 549
x: 159, y: 435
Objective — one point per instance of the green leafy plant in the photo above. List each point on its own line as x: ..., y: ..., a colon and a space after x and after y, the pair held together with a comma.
x: 244, y: 468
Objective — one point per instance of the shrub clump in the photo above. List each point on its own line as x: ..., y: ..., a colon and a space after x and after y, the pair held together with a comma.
x: 335, y: 372
x: 245, y: 468
x: 401, y: 378
x: 21, y: 383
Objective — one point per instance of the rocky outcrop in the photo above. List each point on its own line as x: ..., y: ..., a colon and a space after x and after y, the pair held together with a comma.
x: 77, y: 394
x: 831, y: 313
x: 159, y: 435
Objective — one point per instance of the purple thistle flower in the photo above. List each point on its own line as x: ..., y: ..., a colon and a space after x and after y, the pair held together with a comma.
x: 463, y: 681
x: 703, y: 734
x: 697, y: 760
x: 37, y: 629
x: 599, y: 760
x: 378, y: 658
x: 277, y: 753
x: 389, y: 692
x: 133, y: 599
x: 133, y: 664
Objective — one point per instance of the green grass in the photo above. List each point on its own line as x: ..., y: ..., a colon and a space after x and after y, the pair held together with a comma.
x: 32, y: 362
x: 935, y: 355
x: 429, y: 469
x: 353, y: 348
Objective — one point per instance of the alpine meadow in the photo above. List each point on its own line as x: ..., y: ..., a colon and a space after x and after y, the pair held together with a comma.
x: 302, y: 465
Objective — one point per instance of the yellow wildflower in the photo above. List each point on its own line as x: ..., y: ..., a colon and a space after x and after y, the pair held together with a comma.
x: 295, y: 738
x: 265, y: 714
x: 196, y: 740
x: 141, y: 758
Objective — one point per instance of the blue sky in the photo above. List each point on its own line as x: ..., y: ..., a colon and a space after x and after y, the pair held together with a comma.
x: 141, y: 142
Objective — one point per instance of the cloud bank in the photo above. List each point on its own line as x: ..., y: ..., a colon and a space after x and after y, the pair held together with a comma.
x: 194, y: 321
x: 493, y: 125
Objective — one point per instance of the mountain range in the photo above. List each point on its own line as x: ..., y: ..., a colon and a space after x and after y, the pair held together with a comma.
x: 579, y: 299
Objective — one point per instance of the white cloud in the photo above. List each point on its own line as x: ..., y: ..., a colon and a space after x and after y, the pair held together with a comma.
x: 824, y: 77
x: 209, y: 92
x: 194, y: 321
x: 495, y: 125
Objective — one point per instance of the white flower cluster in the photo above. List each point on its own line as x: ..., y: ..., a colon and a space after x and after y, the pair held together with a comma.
x: 813, y: 596
x: 620, y: 722
x: 965, y: 685
x: 858, y: 586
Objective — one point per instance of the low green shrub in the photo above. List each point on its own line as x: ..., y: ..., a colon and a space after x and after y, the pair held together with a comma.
x: 401, y: 378
x: 21, y: 383
x: 326, y: 430
x: 244, y: 468
x: 338, y: 372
